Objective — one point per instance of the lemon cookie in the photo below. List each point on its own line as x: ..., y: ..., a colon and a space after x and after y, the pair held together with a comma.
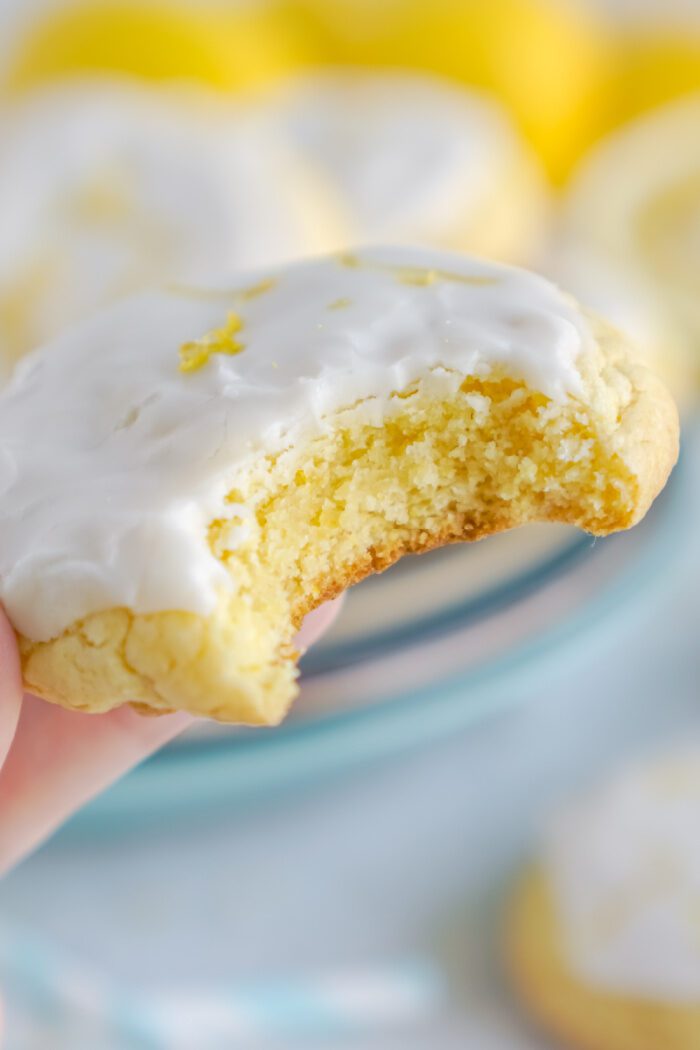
x: 109, y: 186
x: 630, y: 301
x: 603, y: 935
x: 415, y: 159
x: 637, y: 199
x: 185, y: 476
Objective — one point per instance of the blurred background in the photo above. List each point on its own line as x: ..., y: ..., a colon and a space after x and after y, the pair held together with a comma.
x: 350, y: 878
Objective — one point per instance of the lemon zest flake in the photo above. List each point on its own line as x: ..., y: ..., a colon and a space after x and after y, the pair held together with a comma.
x: 258, y: 289
x: 196, y: 354
x: 420, y: 278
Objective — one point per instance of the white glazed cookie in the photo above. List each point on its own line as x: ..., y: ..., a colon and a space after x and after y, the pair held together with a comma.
x: 603, y: 938
x: 636, y: 198
x: 107, y: 187
x: 630, y: 301
x: 414, y: 159
x: 185, y: 476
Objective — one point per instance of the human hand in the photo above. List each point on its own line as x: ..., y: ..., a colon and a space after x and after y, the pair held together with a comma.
x: 52, y: 760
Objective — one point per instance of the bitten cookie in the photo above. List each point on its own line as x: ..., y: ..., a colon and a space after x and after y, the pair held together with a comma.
x: 185, y: 476
x: 602, y: 938
x: 633, y: 303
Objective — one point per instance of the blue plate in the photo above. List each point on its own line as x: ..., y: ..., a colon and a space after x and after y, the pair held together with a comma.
x: 424, y: 650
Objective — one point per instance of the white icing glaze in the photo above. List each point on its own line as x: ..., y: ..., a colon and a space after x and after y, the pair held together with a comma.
x: 624, y: 865
x: 413, y: 159
x: 113, y: 461
x: 108, y: 187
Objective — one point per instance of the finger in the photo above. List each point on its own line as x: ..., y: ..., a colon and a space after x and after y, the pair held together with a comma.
x: 10, y: 686
x: 60, y: 759
x: 318, y: 622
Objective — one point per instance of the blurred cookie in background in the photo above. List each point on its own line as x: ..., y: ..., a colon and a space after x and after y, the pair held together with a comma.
x: 110, y: 186
x: 414, y: 159
x: 631, y: 302
x: 567, y: 70
x: 636, y: 200
x: 548, y: 61
x: 604, y: 933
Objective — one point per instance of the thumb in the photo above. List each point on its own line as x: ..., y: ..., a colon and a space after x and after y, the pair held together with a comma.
x: 10, y: 685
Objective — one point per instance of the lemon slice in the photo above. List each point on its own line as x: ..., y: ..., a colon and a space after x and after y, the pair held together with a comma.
x: 637, y: 200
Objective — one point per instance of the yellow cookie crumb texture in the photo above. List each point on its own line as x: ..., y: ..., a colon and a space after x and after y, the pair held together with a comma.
x: 197, y: 353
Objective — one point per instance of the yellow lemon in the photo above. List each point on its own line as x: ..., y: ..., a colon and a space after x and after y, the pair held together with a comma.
x: 292, y: 35
x: 654, y: 67
x: 159, y: 40
x: 547, y: 59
